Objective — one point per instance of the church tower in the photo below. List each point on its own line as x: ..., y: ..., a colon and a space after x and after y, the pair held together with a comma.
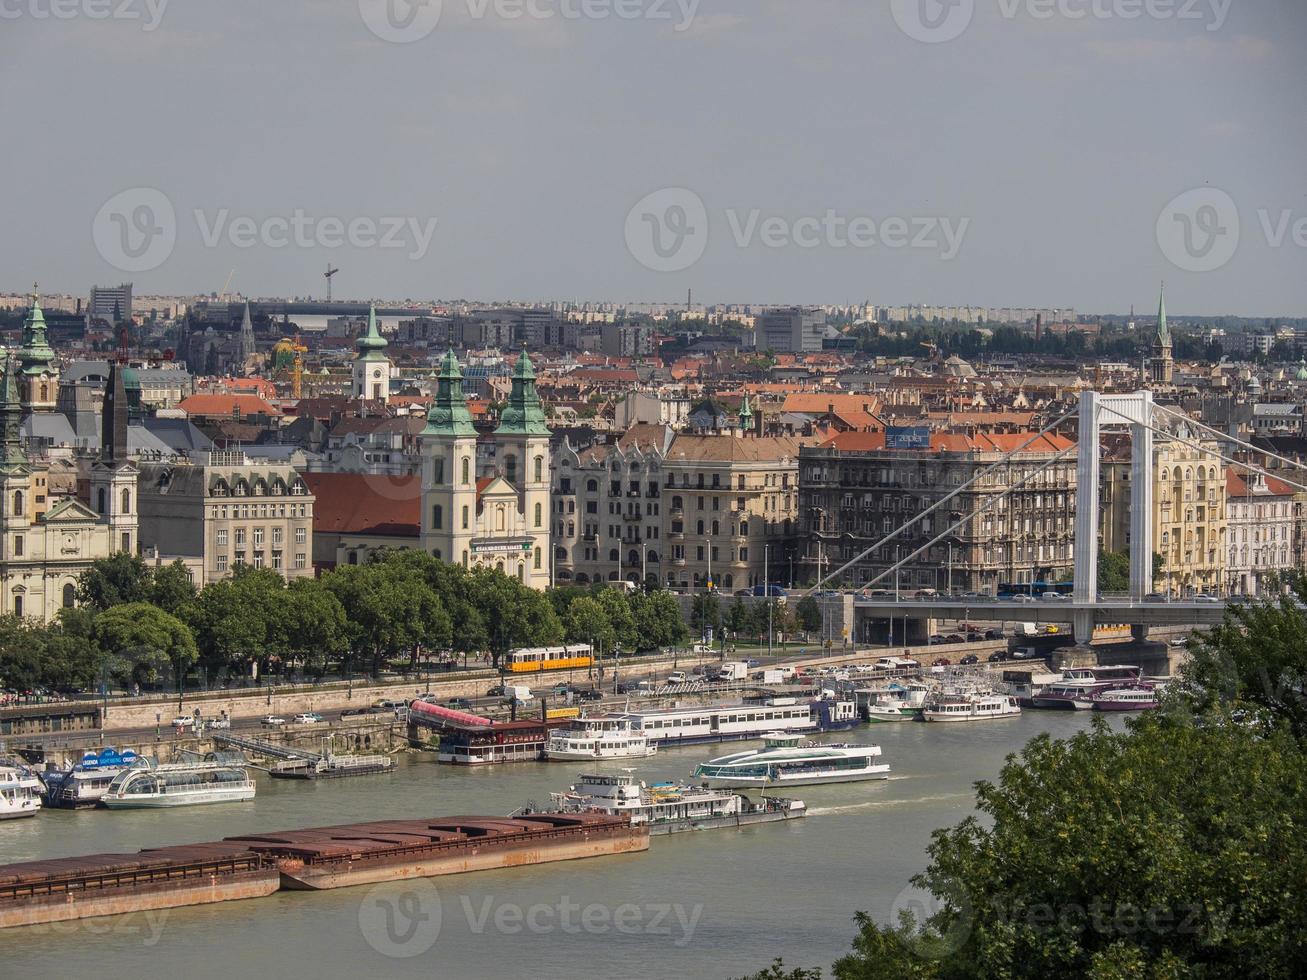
x: 15, y: 490
x: 245, y: 345
x: 522, y: 441
x: 113, y: 477
x: 39, y: 384
x: 1162, y: 367
x: 372, y: 367
x: 449, y: 470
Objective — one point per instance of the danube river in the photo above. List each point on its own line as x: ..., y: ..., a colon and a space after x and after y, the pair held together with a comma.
x: 709, y: 904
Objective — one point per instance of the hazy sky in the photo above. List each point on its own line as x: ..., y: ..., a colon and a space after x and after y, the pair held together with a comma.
x: 839, y: 150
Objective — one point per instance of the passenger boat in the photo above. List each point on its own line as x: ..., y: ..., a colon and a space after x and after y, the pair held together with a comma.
x: 20, y: 793
x: 789, y: 760
x: 1076, y: 690
x: 721, y: 723
x: 666, y: 808
x: 895, y: 703
x: 85, y: 784
x: 1143, y: 697
x: 971, y: 707
x: 600, y: 737
x: 150, y: 784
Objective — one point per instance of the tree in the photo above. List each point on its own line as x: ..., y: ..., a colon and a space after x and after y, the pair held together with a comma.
x: 315, y: 624
x: 392, y: 610
x: 109, y: 581
x: 618, y: 609
x: 808, y: 615
x: 515, y: 616
x: 658, y: 621
x: 587, y: 622
x: 145, y: 636
x: 705, y: 614
x: 1113, y: 572
x: 170, y: 588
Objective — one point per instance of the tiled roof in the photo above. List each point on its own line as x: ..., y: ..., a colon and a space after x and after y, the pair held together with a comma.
x: 731, y: 448
x: 231, y: 404
x: 365, y: 503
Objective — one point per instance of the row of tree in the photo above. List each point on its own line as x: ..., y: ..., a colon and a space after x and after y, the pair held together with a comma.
x: 135, y: 624
x: 1176, y: 848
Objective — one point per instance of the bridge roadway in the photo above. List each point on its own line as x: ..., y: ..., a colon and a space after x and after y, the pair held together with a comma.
x: 1105, y: 612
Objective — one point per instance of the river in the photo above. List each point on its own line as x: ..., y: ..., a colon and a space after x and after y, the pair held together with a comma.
x: 709, y: 904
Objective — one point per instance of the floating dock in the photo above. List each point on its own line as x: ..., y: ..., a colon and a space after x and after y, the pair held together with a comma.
x: 302, y: 860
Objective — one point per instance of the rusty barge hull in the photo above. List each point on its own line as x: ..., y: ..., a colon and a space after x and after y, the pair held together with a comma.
x: 340, y: 857
x: 258, y: 865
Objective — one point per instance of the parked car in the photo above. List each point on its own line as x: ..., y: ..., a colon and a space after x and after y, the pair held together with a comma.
x: 998, y: 656
x: 926, y: 594
x: 1055, y: 597
x: 974, y: 595
x: 184, y: 721
x: 954, y: 638
x: 1026, y: 653
x: 562, y: 690
x: 969, y: 659
x: 308, y: 718
x: 590, y: 695
x: 1023, y: 598
x: 1204, y: 597
x: 459, y: 704
x: 943, y: 662
x: 1156, y: 597
x: 272, y: 721
x: 677, y: 677
x: 936, y: 640
x: 995, y: 634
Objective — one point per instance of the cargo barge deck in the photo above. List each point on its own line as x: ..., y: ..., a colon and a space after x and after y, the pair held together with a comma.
x: 257, y: 865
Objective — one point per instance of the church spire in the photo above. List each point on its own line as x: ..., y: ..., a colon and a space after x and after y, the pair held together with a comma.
x: 523, y: 415
x: 449, y: 415
x: 36, y: 355
x: 1163, y: 332
x: 11, y: 417
x: 247, y: 345
x: 113, y: 418
x: 371, y: 344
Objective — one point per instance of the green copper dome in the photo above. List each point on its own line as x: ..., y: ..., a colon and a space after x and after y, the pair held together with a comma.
x: 449, y: 415
x: 523, y: 415
x: 36, y: 356
x: 372, y: 344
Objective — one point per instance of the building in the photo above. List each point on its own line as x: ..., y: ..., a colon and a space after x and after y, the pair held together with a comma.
x: 858, y: 487
x: 660, y: 407
x: 730, y: 508
x: 498, y: 520
x: 111, y: 303
x: 38, y: 383
x: 46, y: 545
x: 372, y: 368
x: 1261, y: 530
x: 626, y: 339
x: 358, y: 514
x: 794, y: 330
x: 229, y: 510
x: 607, y: 509
x: 1162, y: 366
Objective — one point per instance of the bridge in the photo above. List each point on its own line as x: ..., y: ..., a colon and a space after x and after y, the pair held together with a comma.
x: 1136, y: 414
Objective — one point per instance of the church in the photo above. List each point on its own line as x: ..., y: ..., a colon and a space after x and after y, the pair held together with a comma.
x: 496, y: 519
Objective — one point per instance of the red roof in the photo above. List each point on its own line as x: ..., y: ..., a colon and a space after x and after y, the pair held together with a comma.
x: 365, y: 503
x: 232, y: 404
x: 955, y: 442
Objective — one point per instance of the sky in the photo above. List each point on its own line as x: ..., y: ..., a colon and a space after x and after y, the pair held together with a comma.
x: 1052, y: 153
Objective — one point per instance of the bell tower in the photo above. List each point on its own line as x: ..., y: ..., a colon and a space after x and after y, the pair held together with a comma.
x: 523, y: 445
x: 113, y: 477
x: 372, y: 367
x: 449, y: 470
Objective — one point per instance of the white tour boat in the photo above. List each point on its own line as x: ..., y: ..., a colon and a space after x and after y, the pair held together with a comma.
x: 20, y: 793
x: 600, y: 737
x: 788, y: 760
x: 666, y: 808
x: 971, y: 707
x: 149, y: 784
x: 85, y: 784
x: 721, y: 723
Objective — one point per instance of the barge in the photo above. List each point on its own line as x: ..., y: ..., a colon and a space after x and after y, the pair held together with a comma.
x: 256, y: 865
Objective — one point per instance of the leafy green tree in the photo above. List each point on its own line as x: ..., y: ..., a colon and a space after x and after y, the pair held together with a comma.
x: 587, y: 622
x: 392, y: 610
x: 515, y: 616
x: 20, y: 657
x: 109, y: 581
x: 1113, y: 572
x: 658, y: 621
x: 315, y: 625
x: 808, y: 615
x: 145, y: 635
x: 618, y: 610
x: 705, y: 614
x: 170, y: 588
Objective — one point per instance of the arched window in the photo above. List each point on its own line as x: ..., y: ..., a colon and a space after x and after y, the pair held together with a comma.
x: 592, y: 486
x: 466, y: 471
x: 540, y: 520
x: 437, y: 517
x: 18, y: 503
x: 510, y: 469
x: 499, y: 567
x: 539, y: 469
x: 633, y: 558
x: 521, y: 571
x: 70, y: 595
x: 612, y: 555
x: 465, y: 520
x: 499, y: 518
x: 716, y: 528
x: 538, y: 559
x: 127, y: 502
x: 700, y: 526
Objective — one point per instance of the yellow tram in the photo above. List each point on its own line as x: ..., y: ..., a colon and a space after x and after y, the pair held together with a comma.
x: 538, y: 659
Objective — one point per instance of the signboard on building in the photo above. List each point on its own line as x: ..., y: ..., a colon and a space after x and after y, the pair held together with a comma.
x: 907, y: 437
x: 500, y: 547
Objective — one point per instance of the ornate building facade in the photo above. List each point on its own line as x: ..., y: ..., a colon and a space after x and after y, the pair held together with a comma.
x: 372, y: 368
x: 496, y: 520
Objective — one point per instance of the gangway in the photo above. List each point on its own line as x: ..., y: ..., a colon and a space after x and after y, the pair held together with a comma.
x: 263, y: 747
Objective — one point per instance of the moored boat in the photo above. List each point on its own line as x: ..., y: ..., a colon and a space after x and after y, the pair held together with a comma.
x: 1143, y: 697
x: 149, y: 784
x: 789, y: 760
x: 971, y: 707
x: 1076, y: 690
x: 84, y: 784
x: 20, y: 793
x: 599, y: 737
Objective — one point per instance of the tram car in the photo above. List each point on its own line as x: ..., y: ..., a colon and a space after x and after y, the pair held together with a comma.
x: 538, y: 659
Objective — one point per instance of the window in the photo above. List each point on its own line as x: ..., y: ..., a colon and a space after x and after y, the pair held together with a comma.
x: 258, y: 559
x: 18, y: 544
x: 258, y: 537
x: 539, y: 515
x: 300, y: 535
x: 222, y: 537
x: 466, y: 477
x: 299, y: 559
x: 127, y: 502
x: 222, y: 563
x: 70, y: 596
x: 437, y: 517
x: 276, y: 560
x: 276, y: 537
x: 500, y: 518
x: 465, y: 521
x: 240, y: 535
x: 539, y: 469
x: 18, y: 605
x: 537, y: 560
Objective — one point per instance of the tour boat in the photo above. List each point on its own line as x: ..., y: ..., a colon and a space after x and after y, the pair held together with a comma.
x: 600, y: 737
x: 1140, y: 698
x: 1076, y: 689
x: 149, y: 784
x: 721, y: 723
x: 789, y: 760
x: 85, y: 784
x: 20, y: 793
x: 666, y: 808
x: 971, y: 707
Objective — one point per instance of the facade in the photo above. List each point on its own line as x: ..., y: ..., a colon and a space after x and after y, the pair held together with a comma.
x: 372, y: 368
x: 730, y: 504
x: 855, y: 490
x: 111, y: 303
x: 627, y: 339
x: 500, y: 520
x: 1261, y: 531
x: 607, y: 509
x: 229, y: 510
x: 795, y: 330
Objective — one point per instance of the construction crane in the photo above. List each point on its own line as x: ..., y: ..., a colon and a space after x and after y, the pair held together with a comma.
x: 328, y: 276
x: 223, y: 295
x: 288, y: 362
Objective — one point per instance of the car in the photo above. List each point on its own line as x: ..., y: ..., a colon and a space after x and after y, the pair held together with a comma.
x: 877, y: 594
x: 590, y: 695
x: 1022, y: 598
x: 184, y: 721
x: 1179, y: 641
x: 936, y: 640
x: 975, y: 637
x: 1204, y: 597
x: 1026, y: 653
x: 955, y: 638
x: 998, y: 656
x: 995, y: 634
x: 926, y: 594
x: 1055, y: 597
x: 1052, y: 629
x: 272, y: 721
x: 943, y: 662
x: 677, y: 677
x: 1156, y: 597
x: 969, y: 660
x: 458, y: 704
x: 308, y: 718
x: 219, y: 723
x: 562, y: 690
x: 743, y: 593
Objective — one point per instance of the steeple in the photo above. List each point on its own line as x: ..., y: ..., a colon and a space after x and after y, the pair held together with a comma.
x: 36, y: 356
x: 113, y: 418
x: 1162, y: 364
x: 523, y: 415
x: 371, y: 345
x: 1163, y: 338
x: 746, y: 415
x: 247, y: 345
x: 11, y: 418
x: 449, y: 415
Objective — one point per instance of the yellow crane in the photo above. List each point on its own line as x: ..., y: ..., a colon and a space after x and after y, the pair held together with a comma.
x: 288, y: 363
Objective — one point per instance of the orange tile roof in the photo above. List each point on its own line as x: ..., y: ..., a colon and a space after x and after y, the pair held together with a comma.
x: 231, y: 404
x: 365, y: 503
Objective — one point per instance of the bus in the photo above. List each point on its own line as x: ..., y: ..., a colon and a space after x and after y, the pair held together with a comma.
x: 1009, y: 590
x: 537, y: 659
